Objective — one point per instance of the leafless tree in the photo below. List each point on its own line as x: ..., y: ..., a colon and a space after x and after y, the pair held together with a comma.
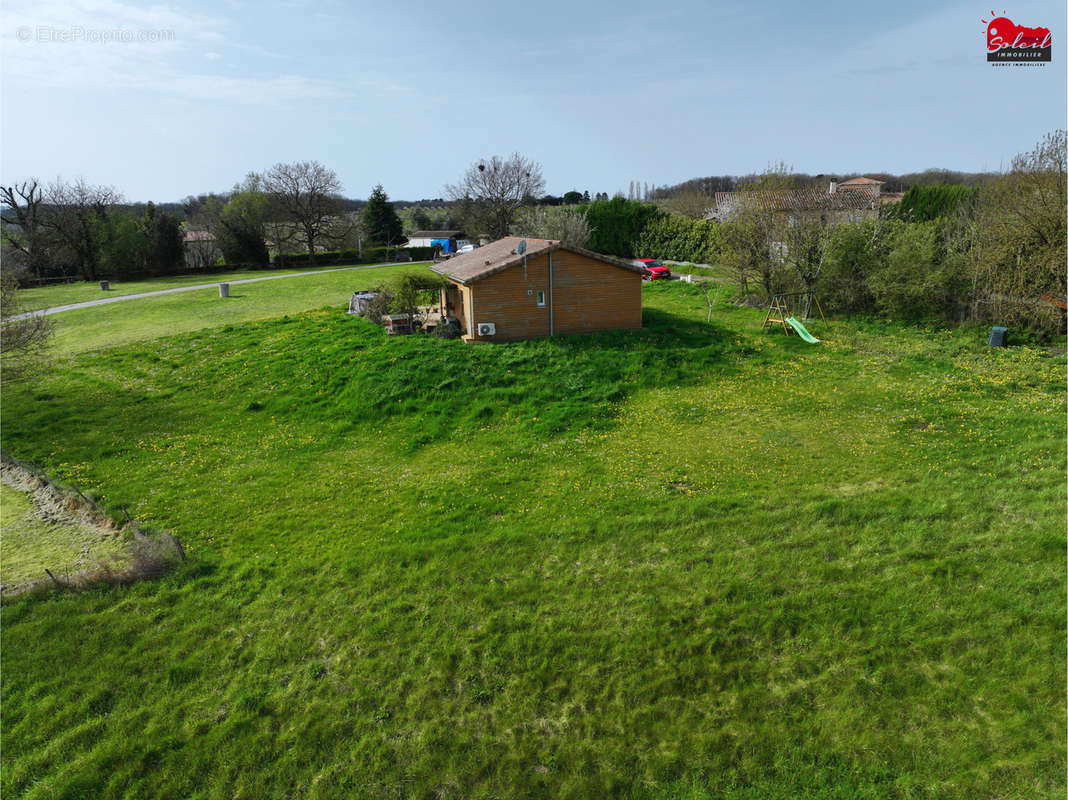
x: 22, y: 337
x: 752, y: 233
x: 491, y: 191
x: 689, y: 202
x: 1020, y: 252
x: 203, y: 215
x: 21, y: 229
x: 77, y: 216
x: 306, y: 194
x: 568, y: 225
x: 806, y: 248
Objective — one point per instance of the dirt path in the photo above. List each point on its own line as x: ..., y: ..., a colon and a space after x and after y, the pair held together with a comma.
x: 105, y: 300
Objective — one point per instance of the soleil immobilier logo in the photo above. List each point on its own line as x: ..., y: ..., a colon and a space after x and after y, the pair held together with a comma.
x: 1008, y: 42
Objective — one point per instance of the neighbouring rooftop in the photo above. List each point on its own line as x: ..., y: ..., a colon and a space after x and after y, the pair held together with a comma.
x: 503, y: 253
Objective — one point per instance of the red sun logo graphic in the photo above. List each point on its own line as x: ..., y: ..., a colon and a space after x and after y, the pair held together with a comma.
x: 1002, y: 32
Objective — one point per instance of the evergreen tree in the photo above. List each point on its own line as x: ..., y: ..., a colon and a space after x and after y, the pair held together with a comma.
x: 166, y: 245
x: 241, y: 233
x: 381, y: 224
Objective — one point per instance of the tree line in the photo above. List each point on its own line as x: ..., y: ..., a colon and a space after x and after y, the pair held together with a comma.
x: 711, y: 184
x: 988, y: 251
x: 78, y: 230
x: 993, y: 252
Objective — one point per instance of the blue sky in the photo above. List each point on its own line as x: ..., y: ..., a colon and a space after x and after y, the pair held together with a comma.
x: 409, y: 94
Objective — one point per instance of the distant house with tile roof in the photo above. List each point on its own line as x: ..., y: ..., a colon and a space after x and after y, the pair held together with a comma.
x: 861, y: 182
x: 517, y: 288
x: 201, y: 249
x: 848, y: 201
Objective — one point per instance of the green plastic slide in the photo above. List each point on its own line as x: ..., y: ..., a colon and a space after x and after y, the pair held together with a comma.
x: 804, y: 334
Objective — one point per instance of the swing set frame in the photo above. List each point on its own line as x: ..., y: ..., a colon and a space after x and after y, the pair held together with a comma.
x: 792, y: 304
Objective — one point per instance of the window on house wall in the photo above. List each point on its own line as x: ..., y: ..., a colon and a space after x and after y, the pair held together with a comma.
x: 541, y: 299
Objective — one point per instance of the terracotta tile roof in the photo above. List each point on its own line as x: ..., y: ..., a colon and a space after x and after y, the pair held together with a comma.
x: 810, y: 198
x: 861, y: 181
x: 500, y: 255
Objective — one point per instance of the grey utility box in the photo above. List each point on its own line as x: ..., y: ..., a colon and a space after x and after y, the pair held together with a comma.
x: 997, y: 336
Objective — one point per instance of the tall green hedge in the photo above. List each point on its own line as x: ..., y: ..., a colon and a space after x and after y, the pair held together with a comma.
x: 616, y: 225
x: 679, y: 238
x: 371, y: 255
x: 927, y: 203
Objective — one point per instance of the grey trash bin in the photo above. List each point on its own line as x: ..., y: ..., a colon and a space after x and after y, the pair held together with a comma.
x: 997, y: 336
x: 224, y: 290
x: 105, y: 285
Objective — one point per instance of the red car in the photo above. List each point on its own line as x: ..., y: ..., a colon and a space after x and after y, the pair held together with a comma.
x: 653, y: 270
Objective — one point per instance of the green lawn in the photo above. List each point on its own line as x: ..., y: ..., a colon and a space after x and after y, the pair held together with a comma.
x: 692, y: 561
x: 63, y: 294
x: 150, y: 317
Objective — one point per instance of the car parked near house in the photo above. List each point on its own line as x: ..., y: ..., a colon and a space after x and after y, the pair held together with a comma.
x: 653, y: 270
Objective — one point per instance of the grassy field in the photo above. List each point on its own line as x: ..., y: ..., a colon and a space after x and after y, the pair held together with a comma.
x: 37, y: 298
x: 691, y: 561
x: 134, y: 320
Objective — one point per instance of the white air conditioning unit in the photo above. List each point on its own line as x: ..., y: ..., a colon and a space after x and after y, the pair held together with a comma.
x: 486, y: 329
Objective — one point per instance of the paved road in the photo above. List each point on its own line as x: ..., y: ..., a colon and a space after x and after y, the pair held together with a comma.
x: 105, y: 300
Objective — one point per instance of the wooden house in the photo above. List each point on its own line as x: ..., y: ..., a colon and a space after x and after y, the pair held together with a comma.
x: 525, y: 288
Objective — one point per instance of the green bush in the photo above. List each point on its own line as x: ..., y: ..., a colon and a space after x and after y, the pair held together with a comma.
x: 680, y: 238
x: 616, y: 225
x: 895, y: 269
x: 422, y: 253
x: 321, y: 259
x: 413, y: 289
x: 447, y: 330
x: 855, y: 251
x: 371, y: 255
x: 916, y: 280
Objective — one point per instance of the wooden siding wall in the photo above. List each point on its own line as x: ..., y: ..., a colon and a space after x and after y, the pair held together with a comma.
x: 590, y: 295
x: 587, y: 295
x: 503, y: 299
